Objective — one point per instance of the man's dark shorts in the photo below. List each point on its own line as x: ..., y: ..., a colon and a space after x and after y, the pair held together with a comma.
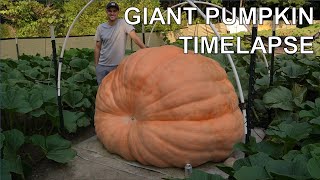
x: 102, y: 71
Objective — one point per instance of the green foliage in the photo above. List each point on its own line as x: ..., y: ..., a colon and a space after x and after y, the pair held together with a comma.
x: 291, y: 147
x: 5, y: 31
x: 217, y: 2
x: 285, y: 3
x: 53, y: 147
x: 32, y: 19
x: 29, y: 112
x: 29, y: 18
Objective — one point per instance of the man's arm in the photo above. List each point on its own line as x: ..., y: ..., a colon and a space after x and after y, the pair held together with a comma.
x: 97, y: 52
x: 136, y: 39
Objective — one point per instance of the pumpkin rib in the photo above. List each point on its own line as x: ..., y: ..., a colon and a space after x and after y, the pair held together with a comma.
x: 162, y: 161
x: 185, y: 132
x: 217, y: 114
x: 133, y: 149
x: 133, y: 67
x: 142, y: 157
x: 174, y: 92
x: 212, y: 98
x: 156, y: 69
x: 169, y: 149
x: 106, y: 129
x: 168, y: 145
x: 103, y: 108
x: 121, y: 79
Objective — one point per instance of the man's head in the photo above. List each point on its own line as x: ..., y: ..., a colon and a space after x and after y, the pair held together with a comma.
x: 112, y: 9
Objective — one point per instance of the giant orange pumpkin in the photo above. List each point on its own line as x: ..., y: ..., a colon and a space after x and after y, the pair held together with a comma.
x: 165, y: 108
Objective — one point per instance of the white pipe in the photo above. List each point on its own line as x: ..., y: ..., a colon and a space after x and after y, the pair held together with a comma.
x: 65, y: 43
x: 228, y: 55
x: 73, y: 23
x: 230, y: 61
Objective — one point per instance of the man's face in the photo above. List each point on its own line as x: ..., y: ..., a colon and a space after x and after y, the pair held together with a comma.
x: 112, y: 14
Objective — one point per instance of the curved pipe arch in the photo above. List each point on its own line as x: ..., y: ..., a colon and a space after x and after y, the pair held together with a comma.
x: 65, y: 43
x: 192, y: 3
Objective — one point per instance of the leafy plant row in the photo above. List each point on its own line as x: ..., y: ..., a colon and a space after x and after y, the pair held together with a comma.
x: 289, y: 110
x: 29, y: 110
x: 13, y: 160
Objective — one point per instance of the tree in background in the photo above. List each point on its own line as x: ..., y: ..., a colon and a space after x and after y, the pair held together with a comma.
x: 29, y: 18
x: 284, y: 3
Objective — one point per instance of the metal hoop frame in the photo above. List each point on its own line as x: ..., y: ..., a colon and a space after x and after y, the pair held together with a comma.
x: 192, y: 3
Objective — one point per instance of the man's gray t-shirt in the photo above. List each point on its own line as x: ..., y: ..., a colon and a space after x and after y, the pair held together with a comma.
x: 113, y: 42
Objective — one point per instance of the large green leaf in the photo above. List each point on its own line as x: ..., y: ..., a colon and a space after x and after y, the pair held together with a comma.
x: 39, y: 140
x: 227, y: 169
x: 56, y: 142
x: 314, y: 112
x: 261, y: 68
x: 12, y: 165
x: 84, y: 103
x: 270, y: 148
x: 13, y: 139
x: 263, y: 82
x: 253, y: 172
x: 79, y: 63
x: 300, y: 164
x: 293, y: 70
x: 83, y: 121
x: 286, y: 169
x: 243, y: 76
x: 197, y: 175
x: 59, y: 149
x: 15, y: 74
x: 292, y: 131
x: 313, y: 83
x: 309, y: 149
x: 315, y: 121
x: 35, y: 99
x: 314, y: 167
x: 291, y: 155
x: 37, y: 113
x: 33, y: 73
x: 52, y: 111
x: 310, y: 63
x: 80, y: 77
x: 47, y: 71
x: 5, y: 175
x: 15, y: 99
x: 49, y: 94
x: 72, y: 98
x: 240, y: 163
x: 279, y: 97
x: 299, y: 93
x: 316, y: 75
x: 259, y: 160
x: 24, y: 66
x: 72, y: 119
x: 61, y: 155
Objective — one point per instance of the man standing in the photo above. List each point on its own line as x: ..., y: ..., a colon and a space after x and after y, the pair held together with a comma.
x: 111, y: 38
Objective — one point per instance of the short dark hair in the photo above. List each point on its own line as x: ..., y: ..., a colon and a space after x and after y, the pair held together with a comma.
x: 112, y: 4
